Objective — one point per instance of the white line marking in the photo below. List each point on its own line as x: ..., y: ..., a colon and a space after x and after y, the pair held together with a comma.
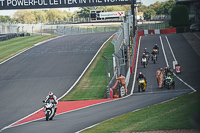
x: 170, y: 48
x: 134, y: 85
x: 85, y: 69
x: 87, y: 128
x: 136, y: 64
x: 175, y: 60
x: 9, y: 126
x: 29, y: 48
x: 163, y: 51
x: 196, y: 35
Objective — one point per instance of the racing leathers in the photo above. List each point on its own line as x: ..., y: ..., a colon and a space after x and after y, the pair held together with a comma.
x: 53, y: 99
x: 140, y: 77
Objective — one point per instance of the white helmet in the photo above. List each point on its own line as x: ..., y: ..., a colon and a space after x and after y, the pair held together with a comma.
x: 50, y: 94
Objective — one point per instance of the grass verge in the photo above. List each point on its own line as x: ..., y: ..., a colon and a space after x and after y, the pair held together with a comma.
x: 13, y: 46
x: 175, y: 114
x: 93, y: 84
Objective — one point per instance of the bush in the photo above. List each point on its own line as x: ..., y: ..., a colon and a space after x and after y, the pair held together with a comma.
x: 180, y: 16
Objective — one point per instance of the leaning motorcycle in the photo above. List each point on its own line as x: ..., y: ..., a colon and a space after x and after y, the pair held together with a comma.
x: 169, y: 83
x: 49, y: 109
x: 144, y: 62
x: 142, y: 85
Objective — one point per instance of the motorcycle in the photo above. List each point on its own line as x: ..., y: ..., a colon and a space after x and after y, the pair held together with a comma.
x: 169, y: 82
x: 154, y: 58
x: 147, y: 55
x: 49, y: 111
x: 156, y: 50
x: 144, y: 62
x: 142, y: 85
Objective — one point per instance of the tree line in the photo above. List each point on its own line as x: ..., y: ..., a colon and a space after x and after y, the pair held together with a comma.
x: 158, y: 8
x: 55, y: 15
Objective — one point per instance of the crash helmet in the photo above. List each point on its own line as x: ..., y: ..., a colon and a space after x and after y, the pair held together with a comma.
x: 165, y: 68
x: 168, y: 68
x: 140, y: 74
x: 145, y: 49
x: 156, y: 44
x: 50, y: 94
x: 143, y: 54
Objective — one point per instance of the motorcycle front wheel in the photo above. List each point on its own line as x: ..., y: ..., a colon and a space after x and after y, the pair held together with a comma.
x: 47, y: 116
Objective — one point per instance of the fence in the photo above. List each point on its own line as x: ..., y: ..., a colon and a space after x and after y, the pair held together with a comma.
x: 63, y: 30
x: 53, y: 29
x: 150, y: 25
x: 160, y: 17
x: 7, y: 28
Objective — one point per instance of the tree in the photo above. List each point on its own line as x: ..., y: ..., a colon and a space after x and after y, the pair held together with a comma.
x: 143, y: 8
x: 148, y: 13
x: 180, y: 16
x: 24, y: 16
x: 5, y: 19
x: 155, y: 6
x: 55, y: 15
x: 85, y: 11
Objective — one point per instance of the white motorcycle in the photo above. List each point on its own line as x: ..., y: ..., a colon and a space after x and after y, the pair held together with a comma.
x: 144, y: 62
x: 49, y: 111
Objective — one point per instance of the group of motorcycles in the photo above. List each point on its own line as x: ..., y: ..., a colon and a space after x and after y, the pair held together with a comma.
x: 145, y: 60
x: 168, y: 80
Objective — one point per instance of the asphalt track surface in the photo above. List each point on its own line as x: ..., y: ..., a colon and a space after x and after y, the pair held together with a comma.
x: 53, y: 66
x: 77, y: 120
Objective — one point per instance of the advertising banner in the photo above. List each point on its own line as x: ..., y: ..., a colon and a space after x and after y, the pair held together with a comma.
x: 33, y: 4
x: 112, y: 14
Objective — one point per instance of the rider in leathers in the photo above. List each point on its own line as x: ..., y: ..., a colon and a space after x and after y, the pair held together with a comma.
x: 156, y: 47
x: 53, y: 98
x: 168, y: 72
x: 147, y: 53
x: 141, y: 76
x: 144, y: 56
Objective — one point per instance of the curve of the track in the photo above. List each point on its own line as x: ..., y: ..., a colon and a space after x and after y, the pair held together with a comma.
x: 53, y: 66
x: 77, y: 120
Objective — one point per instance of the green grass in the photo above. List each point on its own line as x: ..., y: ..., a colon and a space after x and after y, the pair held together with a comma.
x: 13, y: 46
x: 175, y: 114
x: 93, y: 83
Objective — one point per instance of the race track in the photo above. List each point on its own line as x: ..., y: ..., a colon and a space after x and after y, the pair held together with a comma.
x: 43, y: 81
x: 54, y: 66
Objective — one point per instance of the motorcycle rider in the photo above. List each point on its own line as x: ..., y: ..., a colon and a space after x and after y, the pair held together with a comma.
x: 141, y: 76
x: 143, y: 56
x: 156, y: 47
x: 147, y: 53
x: 168, y: 72
x: 153, y: 53
x: 51, y: 97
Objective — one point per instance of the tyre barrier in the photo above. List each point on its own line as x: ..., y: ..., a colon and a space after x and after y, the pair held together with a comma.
x: 4, y: 37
